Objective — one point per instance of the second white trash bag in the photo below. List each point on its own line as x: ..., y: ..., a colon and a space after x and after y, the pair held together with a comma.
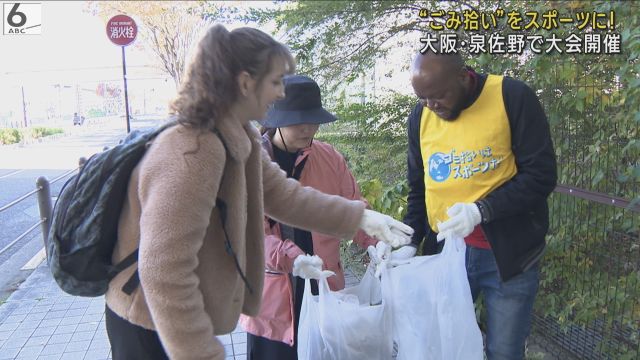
x: 433, y: 312
x: 352, y: 324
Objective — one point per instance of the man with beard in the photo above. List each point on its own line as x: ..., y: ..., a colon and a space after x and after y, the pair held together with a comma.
x: 481, y: 165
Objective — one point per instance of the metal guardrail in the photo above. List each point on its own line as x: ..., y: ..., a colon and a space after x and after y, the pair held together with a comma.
x: 598, y: 197
x: 43, y: 191
x: 21, y: 236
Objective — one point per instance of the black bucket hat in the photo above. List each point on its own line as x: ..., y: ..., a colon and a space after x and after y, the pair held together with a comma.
x: 302, y: 105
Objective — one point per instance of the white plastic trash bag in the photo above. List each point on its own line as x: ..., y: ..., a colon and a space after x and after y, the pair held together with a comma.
x: 433, y: 312
x: 353, y: 323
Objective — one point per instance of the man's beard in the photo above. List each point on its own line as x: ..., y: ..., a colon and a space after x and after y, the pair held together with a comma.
x: 454, y: 113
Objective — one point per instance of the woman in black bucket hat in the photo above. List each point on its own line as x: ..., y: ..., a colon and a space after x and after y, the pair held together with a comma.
x: 288, y: 132
x: 302, y: 105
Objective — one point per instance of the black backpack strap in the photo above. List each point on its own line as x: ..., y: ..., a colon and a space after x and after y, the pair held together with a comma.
x: 131, y: 284
x: 222, y: 207
x: 217, y: 132
x: 126, y: 262
x: 133, y: 281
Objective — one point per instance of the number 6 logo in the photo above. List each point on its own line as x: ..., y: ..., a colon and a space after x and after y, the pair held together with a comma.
x: 13, y: 13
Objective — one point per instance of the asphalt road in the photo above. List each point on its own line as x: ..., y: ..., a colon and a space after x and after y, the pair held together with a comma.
x: 21, y: 165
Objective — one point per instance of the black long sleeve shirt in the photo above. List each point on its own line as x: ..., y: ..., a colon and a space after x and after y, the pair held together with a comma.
x: 523, y: 194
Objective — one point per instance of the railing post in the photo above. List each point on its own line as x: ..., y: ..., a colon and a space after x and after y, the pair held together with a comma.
x: 44, y: 204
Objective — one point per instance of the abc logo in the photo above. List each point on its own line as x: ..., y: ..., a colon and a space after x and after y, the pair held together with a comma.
x: 21, y: 18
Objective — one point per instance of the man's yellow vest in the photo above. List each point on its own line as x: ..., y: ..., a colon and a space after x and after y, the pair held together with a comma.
x: 469, y: 157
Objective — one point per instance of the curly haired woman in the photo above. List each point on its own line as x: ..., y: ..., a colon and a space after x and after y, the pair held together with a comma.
x: 196, y: 202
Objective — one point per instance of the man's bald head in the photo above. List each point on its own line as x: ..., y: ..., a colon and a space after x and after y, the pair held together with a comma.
x: 437, y: 63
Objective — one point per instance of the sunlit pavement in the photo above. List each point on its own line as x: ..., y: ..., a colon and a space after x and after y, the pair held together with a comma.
x: 40, y: 321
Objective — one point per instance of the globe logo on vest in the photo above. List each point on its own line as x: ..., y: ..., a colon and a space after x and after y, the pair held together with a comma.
x: 439, y: 168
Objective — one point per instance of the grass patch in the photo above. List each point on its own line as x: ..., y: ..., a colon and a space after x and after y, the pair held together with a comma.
x: 14, y: 136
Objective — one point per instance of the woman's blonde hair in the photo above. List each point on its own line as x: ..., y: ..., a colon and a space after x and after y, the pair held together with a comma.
x: 210, y: 86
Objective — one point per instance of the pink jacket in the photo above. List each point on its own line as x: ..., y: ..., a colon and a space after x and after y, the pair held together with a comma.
x: 327, y: 171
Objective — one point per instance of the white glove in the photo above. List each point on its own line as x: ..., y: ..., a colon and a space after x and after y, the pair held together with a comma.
x: 463, y: 217
x: 310, y: 267
x: 382, y: 252
x: 381, y: 255
x: 385, y: 228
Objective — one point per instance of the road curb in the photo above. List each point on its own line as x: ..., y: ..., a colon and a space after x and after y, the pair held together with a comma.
x: 35, y: 261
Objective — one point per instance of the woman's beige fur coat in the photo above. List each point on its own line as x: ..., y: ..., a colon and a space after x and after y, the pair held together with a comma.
x: 190, y: 289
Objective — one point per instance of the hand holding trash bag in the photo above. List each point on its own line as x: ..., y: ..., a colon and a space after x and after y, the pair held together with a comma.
x: 310, y: 267
x: 385, y: 228
x: 463, y: 217
x: 382, y: 254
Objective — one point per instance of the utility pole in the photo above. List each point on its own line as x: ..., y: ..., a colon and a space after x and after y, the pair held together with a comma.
x: 126, y: 94
x: 78, y: 105
x: 59, y: 86
x: 24, y: 108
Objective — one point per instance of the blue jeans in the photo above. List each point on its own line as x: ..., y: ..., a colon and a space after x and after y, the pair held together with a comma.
x: 508, y: 304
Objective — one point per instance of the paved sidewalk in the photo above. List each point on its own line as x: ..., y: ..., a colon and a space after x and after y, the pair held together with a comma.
x: 40, y: 321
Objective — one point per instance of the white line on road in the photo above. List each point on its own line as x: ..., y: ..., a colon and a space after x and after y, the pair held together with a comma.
x: 13, y: 173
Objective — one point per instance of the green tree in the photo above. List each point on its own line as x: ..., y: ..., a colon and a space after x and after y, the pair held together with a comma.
x: 337, y: 41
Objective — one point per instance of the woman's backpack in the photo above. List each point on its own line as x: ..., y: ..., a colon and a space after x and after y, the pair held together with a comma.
x: 84, y: 227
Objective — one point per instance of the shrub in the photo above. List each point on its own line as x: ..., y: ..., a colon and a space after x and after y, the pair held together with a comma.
x: 13, y: 136
x: 10, y: 136
x: 38, y: 132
